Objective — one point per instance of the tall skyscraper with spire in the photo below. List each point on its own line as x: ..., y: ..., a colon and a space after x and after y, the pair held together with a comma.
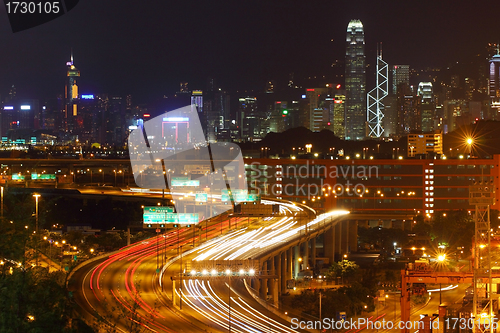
x: 71, y: 94
x: 355, y: 82
x: 494, y: 84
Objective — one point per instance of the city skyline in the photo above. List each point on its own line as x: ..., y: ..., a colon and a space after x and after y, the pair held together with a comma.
x: 249, y: 45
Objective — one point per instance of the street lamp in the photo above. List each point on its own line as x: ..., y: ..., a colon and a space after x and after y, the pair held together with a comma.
x: 36, y: 196
x: 470, y: 142
x: 100, y: 170
x: 115, y: 176
x: 90, y: 175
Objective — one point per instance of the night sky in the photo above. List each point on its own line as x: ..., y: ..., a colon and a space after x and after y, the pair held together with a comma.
x: 147, y: 47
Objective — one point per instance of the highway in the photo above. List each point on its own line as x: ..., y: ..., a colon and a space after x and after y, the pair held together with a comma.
x: 125, y: 291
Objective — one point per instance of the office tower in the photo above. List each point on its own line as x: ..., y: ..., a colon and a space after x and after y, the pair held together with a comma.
x: 314, y: 117
x: 71, y: 95
x: 222, y: 107
x: 339, y: 114
x: 375, y: 106
x: 400, y: 74
x: 427, y: 107
x: 390, y: 121
x: 408, y: 110
x: 247, y: 119
x: 355, y: 82
x: 453, y: 110
x: 494, y: 84
x: 197, y: 100
x: 278, y: 117
x: 19, y: 115
x: 469, y: 88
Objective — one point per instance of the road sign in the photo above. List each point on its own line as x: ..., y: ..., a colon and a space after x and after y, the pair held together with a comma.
x: 238, y: 195
x: 253, y: 197
x: 182, y: 218
x: 184, y: 181
x: 44, y: 176
x: 156, y: 214
x: 201, y: 197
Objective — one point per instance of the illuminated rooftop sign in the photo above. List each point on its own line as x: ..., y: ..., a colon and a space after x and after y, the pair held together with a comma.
x: 87, y: 96
x: 8, y: 108
x: 175, y: 119
x: 25, y: 107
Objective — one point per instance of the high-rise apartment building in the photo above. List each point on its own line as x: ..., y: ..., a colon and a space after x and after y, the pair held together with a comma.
x: 400, y: 74
x: 355, y: 82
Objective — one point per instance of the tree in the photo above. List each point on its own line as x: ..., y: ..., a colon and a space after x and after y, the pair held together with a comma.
x: 345, y: 269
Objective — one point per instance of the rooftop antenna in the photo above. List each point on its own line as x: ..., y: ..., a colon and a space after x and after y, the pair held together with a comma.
x: 72, y: 56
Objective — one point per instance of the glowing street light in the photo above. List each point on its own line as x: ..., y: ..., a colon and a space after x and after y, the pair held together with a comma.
x: 470, y: 142
x: 36, y: 196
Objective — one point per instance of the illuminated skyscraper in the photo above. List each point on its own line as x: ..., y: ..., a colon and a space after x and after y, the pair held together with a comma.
x: 339, y: 114
x: 427, y: 107
x: 400, y: 74
x: 375, y: 106
x: 71, y: 94
x: 355, y: 82
x: 494, y: 83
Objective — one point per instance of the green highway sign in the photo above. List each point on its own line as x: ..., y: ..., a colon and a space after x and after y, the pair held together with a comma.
x: 37, y: 176
x: 182, y: 218
x: 253, y: 197
x: 238, y: 195
x: 201, y: 197
x: 17, y: 177
x: 184, y: 181
x: 156, y: 214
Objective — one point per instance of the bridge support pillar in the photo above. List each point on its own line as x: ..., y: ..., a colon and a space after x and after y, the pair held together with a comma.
x: 329, y: 244
x: 274, y: 291
x: 255, y: 283
x: 289, y: 264
x: 282, y: 272
x: 313, y: 253
x: 296, y: 266
x: 128, y: 236
x: 175, y: 298
x: 263, y: 283
x: 305, y: 258
x: 271, y: 283
x: 277, y: 265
